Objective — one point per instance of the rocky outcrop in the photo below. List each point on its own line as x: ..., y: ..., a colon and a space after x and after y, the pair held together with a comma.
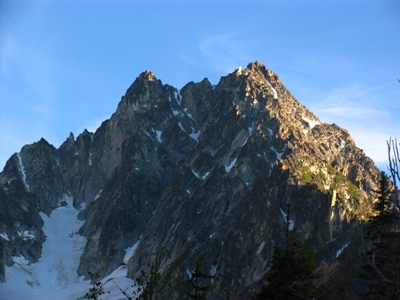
x: 202, y: 170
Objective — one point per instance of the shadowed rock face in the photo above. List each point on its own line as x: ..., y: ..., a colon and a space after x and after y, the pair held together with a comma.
x: 201, y: 170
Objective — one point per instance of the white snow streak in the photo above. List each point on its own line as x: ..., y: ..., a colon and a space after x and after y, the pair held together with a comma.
x: 273, y: 90
x: 229, y: 167
x: 98, y: 195
x: 189, y: 273
x: 340, y: 251
x: 177, y: 97
x: 271, y: 133
x: 188, y: 114
x: 4, y: 236
x: 22, y: 169
x: 90, y: 157
x: 180, y: 125
x: 196, y: 174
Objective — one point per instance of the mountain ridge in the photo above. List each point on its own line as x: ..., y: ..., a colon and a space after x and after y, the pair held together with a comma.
x: 201, y: 170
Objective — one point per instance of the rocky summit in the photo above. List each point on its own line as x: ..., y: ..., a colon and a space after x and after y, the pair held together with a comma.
x: 205, y: 170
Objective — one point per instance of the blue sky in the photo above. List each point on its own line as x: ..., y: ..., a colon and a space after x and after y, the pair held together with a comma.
x: 64, y: 65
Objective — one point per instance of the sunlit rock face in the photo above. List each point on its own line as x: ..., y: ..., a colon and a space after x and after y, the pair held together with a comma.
x: 201, y: 170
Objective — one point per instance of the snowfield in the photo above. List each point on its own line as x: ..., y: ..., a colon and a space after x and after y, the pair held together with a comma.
x: 55, y: 276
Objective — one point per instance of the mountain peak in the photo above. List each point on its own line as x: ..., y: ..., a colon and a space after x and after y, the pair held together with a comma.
x: 256, y: 64
x: 147, y: 75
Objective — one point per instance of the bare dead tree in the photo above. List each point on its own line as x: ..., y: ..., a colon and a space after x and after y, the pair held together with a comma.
x: 394, y: 165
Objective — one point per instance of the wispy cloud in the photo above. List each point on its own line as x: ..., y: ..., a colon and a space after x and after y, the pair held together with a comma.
x: 360, y: 110
x: 224, y: 51
x: 353, y: 101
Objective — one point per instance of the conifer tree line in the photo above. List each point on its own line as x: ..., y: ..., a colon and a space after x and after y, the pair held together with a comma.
x: 292, y: 270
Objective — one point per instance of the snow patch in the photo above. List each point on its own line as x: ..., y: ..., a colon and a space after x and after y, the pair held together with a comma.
x: 291, y: 222
x: 189, y: 115
x: 251, y: 128
x: 229, y: 167
x: 180, y: 125
x: 175, y: 112
x: 117, y: 281
x: 189, y: 273
x: 158, y: 133
x: 20, y: 260
x: 213, y: 271
x: 25, y: 235
x: 66, y: 199
x: 194, y: 135
x: 22, y: 169
x: 311, y: 123
x: 130, y: 251
x: 340, y: 251
x: 342, y: 145
x: 196, y: 174
x: 199, y: 176
x: 279, y: 154
x: 4, y: 236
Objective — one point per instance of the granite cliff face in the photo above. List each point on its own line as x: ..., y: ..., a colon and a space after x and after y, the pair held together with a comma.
x: 202, y: 170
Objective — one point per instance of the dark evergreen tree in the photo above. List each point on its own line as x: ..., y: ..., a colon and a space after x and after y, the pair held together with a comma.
x: 97, y: 289
x: 148, y: 282
x: 199, y: 282
x: 382, y: 269
x: 292, y: 273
